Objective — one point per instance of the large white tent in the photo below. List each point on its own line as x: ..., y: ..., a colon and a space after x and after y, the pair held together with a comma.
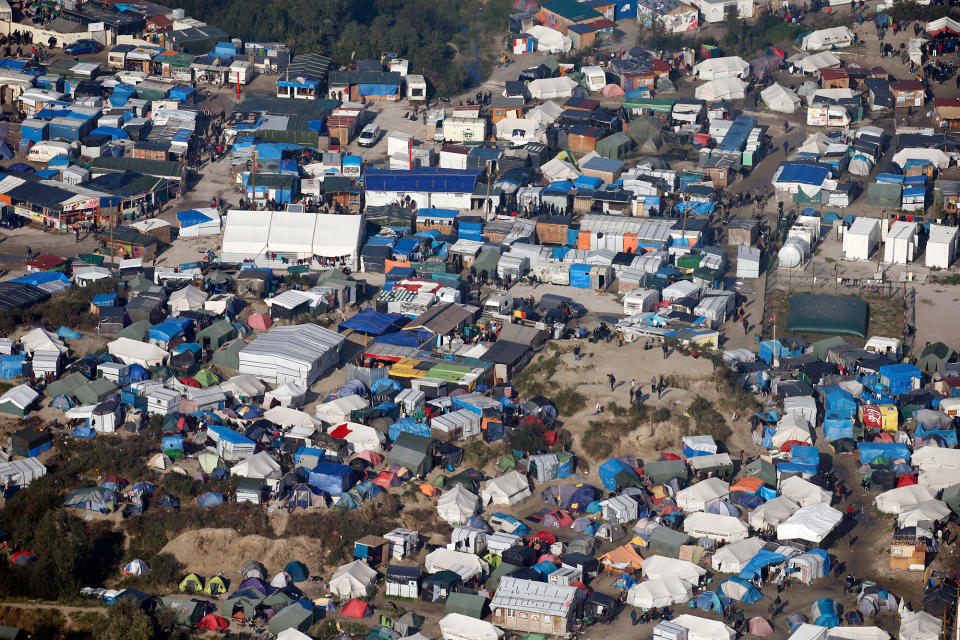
x: 936, y: 157
x: 656, y: 567
x: 701, y: 495
x: 813, y: 523
x: 40, y: 339
x: 936, y: 458
x: 661, y: 592
x: 704, y: 628
x: 896, y: 501
x: 296, y: 353
x: 252, y: 235
x: 719, y: 68
x: 721, y: 89
x: 919, y: 625
x: 259, y: 465
x: 547, y: 88
x: 352, y: 580
x: 340, y: 409
x: 360, y: 437
x: 817, y: 61
x: 549, y: 40
x: 924, y: 513
x: 779, y: 98
x: 714, y: 526
x: 733, y: 557
x: 510, y: 488
x: 136, y: 352
x: 792, y: 426
x: 444, y: 559
x: 457, y: 505
x: 772, y: 512
x: 190, y: 298
x: 803, y: 492
x: 834, y: 37
x: 456, y: 626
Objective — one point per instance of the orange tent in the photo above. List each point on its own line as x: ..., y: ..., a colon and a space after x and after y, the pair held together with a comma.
x: 622, y: 559
x: 355, y: 609
x: 212, y: 622
x: 750, y: 485
x: 429, y: 490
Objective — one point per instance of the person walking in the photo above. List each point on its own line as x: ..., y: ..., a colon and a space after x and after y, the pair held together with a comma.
x: 666, y: 349
x: 786, y: 146
x: 633, y: 389
x: 612, y: 380
x: 29, y: 253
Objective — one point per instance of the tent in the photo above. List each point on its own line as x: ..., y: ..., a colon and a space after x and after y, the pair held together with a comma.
x: 721, y: 68
x: 135, y: 352
x: 136, y: 567
x: 549, y: 40
x: 721, y: 89
x: 813, y: 523
x: 803, y: 492
x: 740, y: 590
x: 701, y: 495
x: 622, y: 558
x: 100, y: 499
x: 661, y: 592
x: 213, y: 622
x: 943, y: 25
x: 656, y: 567
x: 901, y: 499
x: 352, y: 580
x: 714, y: 526
x: 780, y: 99
x: 759, y: 627
x: 297, y: 571
x: 355, y: 609
x: 199, y: 222
x: 457, y: 505
x: 456, y: 626
x: 919, y: 625
x: 191, y: 583
x: 832, y: 38
x: 734, y: 557
x: 510, y: 488
x: 190, y: 298
x: 548, y: 88
x: 703, y: 628
x: 772, y: 512
x: 923, y: 513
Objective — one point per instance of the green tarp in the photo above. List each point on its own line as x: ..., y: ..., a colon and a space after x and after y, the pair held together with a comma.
x: 662, y: 471
x: 665, y: 541
x: 884, y: 194
x: 67, y: 386
x: 95, y: 391
x: 466, y: 604
x: 615, y: 146
x: 837, y: 315
x: 229, y: 356
x: 136, y: 331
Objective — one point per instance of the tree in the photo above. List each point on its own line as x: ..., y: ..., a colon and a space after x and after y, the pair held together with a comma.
x: 125, y: 620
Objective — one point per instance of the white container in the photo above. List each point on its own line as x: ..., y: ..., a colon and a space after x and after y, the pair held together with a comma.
x: 640, y: 301
x: 860, y: 240
x: 941, y: 246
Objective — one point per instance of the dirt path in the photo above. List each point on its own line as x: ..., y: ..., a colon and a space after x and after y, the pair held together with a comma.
x: 58, y: 607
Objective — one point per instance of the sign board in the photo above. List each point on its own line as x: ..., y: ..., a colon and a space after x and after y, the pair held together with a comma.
x: 96, y: 26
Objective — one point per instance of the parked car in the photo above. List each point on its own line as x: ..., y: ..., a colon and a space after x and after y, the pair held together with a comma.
x: 83, y: 47
x: 12, y: 222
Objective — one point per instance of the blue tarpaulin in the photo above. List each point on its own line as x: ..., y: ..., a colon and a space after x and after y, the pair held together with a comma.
x: 899, y: 378
x: 839, y: 402
x: 409, y: 338
x: 334, y: 479
x: 807, y: 470
x: 805, y: 455
x: 104, y: 300
x: 113, y: 132
x: 169, y: 329
x: 374, y: 323
x: 41, y: 277
x: 763, y: 559
x: 377, y: 89
x: 609, y: 470
x: 274, y: 150
x: 836, y: 428
x: 869, y: 451
x: 192, y: 217
x: 65, y: 332
x: 750, y: 592
x: 210, y: 499
x: 408, y: 425
x: 11, y: 366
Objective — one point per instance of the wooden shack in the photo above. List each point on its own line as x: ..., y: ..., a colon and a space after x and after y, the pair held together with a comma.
x: 553, y: 229
x: 743, y: 231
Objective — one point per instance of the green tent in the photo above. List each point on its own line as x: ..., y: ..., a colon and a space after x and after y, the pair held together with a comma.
x: 136, y: 331
x: 951, y: 496
x: 67, y: 386
x: 92, y: 259
x: 217, y: 334
x: 504, y: 569
x: 276, y: 600
x: 661, y: 471
x: 822, y: 347
x: 467, y: 604
x: 884, y: 194
x: 487, y: 260
x: 187, y: 612
x: 763, y: 470
x: 934, y: 357
x: 95, y: 391
x: 412, y: 452
x: 837, y: 315
x: 191, y: 584
x: 228, y: 356
x: 507, y: 462
x: 615, y: 146
x: 295, y: 616
x: 244, y: 605
x: 206, y: 378
x: 139, y: 283
x: 665, y: 541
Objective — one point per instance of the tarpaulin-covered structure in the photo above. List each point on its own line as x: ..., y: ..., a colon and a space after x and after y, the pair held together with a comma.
x: 838, y: 315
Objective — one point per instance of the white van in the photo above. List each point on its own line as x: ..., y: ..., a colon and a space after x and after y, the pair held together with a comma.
x: 369, y: 136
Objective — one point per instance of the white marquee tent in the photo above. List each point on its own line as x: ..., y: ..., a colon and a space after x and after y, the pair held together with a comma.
x: 896, y: 501
x: 714, y: 526
x: 701, y: 495
x: 779, y: 98
x: 661, y: 592
x: 803, y: 492
x: 827, y: 38
x: 721, y: 89
x: 813, y: 523
x: 656, y: 567
x: 772, y: 512
x: 510, y: 488
x: 352, y: 580
x: 718, y: 68
x: 457, y: 505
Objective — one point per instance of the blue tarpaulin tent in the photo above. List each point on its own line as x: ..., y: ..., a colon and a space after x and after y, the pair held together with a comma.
x: 210, y: 499
x: 763, y: 559
x: 331, y: 478
x: 900, y: 378
x: 609, y: 470
x: 168, y: 329
x: 11, y: 366
x: 870, y: 451
x: 839, y: 402
x: 408, y: 425
x: 737, y: 588
x: 835, y: 428
x: 805, y: 455
x: 825, y: 613
x: 374, y: 323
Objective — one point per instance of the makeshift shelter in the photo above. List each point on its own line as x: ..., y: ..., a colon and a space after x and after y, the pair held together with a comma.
x: 510, y: 488
x: 457, y: 505
x: 662, y: 592
x: 352, y: 580
x: 812, y: 524
x: 702, y: 494
x: 780, y: 99
x: 656, y: 567
x: 919, y: 625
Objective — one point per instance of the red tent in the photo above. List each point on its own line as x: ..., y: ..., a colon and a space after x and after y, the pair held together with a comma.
x: 544, y: 536
x: 669, y: 456
x: 580, y: 585
x: 23, y: 558
x: 906, y: 480
x: 789, y: 443
x: 557, y: 518
x: 387, y: 480
x: 212, y: 622
x: 190, y: 382
x: 884, y: 437
x: 259, y: 321
x: 355, y: 609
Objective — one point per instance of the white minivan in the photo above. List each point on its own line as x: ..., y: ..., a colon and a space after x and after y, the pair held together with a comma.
x: 369, y: 135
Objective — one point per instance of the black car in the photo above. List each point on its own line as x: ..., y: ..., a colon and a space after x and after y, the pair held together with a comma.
x: 11, y: 222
